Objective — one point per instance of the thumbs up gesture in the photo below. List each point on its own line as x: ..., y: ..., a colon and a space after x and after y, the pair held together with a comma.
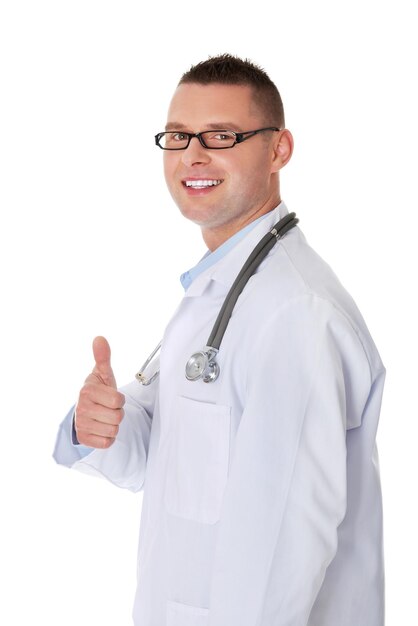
x: 99, y: 408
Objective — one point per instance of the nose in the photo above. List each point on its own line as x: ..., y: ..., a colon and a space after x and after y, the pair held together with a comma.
x: 195, y: 153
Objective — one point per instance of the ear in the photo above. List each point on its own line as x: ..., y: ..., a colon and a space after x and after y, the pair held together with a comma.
x: 282, y: 149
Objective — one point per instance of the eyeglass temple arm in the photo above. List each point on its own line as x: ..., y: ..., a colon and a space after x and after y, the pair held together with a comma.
x: 251, y: 133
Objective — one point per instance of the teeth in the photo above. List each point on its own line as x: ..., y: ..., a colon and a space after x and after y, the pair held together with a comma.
x: 202, y: 183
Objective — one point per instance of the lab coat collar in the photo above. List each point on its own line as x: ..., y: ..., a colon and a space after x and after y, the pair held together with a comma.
x: 227, y: 268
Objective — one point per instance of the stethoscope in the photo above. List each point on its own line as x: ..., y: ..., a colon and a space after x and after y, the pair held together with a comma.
x: 202, y: 364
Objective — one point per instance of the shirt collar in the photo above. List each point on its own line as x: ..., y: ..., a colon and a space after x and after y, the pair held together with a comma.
x: 226, y: 266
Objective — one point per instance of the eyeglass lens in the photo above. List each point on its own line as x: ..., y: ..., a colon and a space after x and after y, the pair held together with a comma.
x: 211, y: 138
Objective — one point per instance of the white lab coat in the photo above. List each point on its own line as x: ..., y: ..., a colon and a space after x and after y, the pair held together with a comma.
x: 262, y: 499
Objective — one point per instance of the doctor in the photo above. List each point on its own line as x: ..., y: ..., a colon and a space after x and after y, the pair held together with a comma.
x: 262, y: 500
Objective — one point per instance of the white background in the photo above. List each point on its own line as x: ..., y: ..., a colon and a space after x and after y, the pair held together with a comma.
x: 91, y: 243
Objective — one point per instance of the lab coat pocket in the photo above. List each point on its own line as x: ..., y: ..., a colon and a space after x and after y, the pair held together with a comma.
x: 197, y: 468
x: 184, y: 615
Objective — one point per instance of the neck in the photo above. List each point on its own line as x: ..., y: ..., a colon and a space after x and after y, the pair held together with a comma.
x: 216, y: 236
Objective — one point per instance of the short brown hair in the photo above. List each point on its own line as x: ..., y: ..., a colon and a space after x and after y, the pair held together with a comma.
x: 228, y: 69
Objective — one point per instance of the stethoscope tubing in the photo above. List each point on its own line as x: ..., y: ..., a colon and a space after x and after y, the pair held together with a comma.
x: 257, y: 255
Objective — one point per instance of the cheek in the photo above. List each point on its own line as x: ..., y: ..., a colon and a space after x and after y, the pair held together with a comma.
x: 258, y: 172
x: 250, y: 158
x: 246, y: 173
x: 251, y: 179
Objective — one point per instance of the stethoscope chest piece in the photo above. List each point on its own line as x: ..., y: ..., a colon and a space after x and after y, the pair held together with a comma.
x: 203, y: 365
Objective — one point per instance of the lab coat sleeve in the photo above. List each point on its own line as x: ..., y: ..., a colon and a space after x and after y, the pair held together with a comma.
x: 124, y: 463
x: 286, y: 491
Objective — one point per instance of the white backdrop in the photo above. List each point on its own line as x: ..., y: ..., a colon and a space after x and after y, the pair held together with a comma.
x: 91, y: 243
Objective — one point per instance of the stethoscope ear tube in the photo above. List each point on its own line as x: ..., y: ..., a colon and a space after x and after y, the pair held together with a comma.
x: 254, y: 260
x: 140, y: 376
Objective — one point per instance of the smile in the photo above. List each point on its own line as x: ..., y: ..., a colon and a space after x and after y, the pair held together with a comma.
x: 202, y: 184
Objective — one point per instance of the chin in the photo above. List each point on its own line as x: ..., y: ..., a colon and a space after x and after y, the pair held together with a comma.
x: 196, y: 217
x: 200, y: 215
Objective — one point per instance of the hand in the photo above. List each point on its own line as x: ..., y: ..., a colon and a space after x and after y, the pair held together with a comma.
x: 99, y: 409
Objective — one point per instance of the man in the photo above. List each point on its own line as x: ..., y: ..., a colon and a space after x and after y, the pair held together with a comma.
x: 262, y: 501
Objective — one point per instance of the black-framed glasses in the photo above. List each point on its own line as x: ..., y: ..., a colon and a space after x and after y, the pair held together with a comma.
x: 211, y: 139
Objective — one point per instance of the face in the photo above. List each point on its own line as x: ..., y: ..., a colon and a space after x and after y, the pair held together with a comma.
x: 244, y: 178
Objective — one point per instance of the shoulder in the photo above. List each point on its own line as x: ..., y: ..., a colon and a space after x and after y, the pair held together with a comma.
x: 300, y: 290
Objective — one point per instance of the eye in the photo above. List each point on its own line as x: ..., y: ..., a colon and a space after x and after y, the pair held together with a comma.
x: 178, y: 136
x: 219, y: 138
x: 223, y: 136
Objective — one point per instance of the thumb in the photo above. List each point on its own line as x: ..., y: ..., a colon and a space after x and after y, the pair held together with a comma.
x: 102, y: 368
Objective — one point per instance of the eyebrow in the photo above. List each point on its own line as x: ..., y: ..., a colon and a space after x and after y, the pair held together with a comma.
x: 213, y: 126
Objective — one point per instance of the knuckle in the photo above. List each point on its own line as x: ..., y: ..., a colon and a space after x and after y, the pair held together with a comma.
x: 119, y: 413
x: 85, y: 391
x: 114, y: 402
x: 107, y: 442
x: 83, y: 438
x: 117, y: 400
x: 80, y: 413
x: 113, y: 430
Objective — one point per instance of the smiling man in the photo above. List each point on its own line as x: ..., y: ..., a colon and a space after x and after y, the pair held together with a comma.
x: 257, y: 455
x: 223, y: 190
